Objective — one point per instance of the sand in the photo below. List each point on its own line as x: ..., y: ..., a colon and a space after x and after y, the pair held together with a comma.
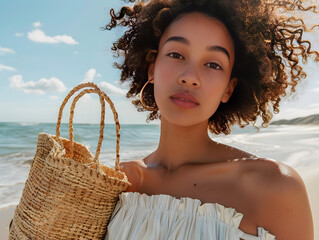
x: 5, y: 217
x: 310, y: 175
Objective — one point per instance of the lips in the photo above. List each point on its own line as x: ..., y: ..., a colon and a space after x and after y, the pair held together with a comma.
x: 184, y: 96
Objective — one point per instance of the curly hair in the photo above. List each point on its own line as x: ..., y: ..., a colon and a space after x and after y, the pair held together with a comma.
x: 268, y: 48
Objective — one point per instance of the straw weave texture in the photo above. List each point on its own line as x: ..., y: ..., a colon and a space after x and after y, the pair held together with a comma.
x: 67, y: 198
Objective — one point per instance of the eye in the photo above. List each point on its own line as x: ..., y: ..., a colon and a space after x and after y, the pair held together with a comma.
x: 214, y: 66
x: 175, y: 55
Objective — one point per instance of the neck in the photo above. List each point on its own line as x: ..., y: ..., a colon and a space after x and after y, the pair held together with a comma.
x: 180, y: 145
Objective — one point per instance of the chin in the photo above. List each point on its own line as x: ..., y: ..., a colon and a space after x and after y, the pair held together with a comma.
x: 182, y: 120
x: 183, y: 117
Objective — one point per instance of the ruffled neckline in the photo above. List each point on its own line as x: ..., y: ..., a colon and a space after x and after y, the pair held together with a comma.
x: 184, y: 205
x: 191, y: 206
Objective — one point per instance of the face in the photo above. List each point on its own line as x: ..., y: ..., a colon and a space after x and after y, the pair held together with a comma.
x: 192, y: 69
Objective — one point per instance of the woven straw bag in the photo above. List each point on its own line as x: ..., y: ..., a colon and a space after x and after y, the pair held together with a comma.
x: 68, y: 193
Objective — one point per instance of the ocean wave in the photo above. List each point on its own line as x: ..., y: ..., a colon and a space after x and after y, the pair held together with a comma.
x: 12, y: 184
x: 8, y: 205
x: 28, y: 124
x: 17, y: 158
x: 10, y: 195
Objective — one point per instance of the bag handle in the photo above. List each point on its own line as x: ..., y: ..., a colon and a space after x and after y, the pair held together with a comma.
x: 99, y: 145
x: 103, y: 96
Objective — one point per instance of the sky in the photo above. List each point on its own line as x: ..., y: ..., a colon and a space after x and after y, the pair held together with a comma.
x: 49, y: 47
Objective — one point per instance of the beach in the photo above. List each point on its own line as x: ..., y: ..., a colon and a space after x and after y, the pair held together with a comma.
x: 296, y: 146
x: 5, y: 217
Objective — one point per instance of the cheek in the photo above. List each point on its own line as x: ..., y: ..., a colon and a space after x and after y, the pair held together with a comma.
x: 214, y: 86
x: 162, y: 81
x: 213, y: 93
x: 166, y: 68
x: 160, y: 92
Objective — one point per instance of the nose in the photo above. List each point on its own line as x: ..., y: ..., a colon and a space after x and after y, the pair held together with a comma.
x: 189, y: 78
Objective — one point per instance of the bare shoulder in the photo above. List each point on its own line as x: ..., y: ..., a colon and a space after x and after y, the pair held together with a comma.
x: 133, y: 171
x: 281, y: 195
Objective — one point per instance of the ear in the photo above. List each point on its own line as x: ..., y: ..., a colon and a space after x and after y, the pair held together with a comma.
x: 151, y: 71
x: 229, y: 90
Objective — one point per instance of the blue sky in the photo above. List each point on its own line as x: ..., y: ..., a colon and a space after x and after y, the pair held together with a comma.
x: 48, y: 47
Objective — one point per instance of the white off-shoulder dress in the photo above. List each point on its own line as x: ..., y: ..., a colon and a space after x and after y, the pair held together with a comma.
x: 163, y: 217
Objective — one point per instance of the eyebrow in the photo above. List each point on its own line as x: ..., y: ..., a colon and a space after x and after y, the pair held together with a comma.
x: 209, y: 48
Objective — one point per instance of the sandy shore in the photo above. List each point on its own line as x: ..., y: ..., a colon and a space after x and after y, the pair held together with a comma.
x: 5, y: 217
x: 310, y: 175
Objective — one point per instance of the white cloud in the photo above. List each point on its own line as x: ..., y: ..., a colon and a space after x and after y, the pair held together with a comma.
x: 3, y: 67
x: 124, y: 85
x: 39, y: 36
x: 85, y: 98
x: 19, y: 34
x: 111, y: 89
x: 99, y: 75
x: 54, y: 97
x: 37, y: 24
x: 89, y: 75
x: 40, y: 87
x: 4, y: 51
x: 76, y: 52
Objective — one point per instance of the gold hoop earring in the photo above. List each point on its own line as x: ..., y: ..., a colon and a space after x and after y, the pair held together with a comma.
x: 141, y: 97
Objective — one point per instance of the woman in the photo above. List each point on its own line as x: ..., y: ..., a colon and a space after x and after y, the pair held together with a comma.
x: 201, y: 65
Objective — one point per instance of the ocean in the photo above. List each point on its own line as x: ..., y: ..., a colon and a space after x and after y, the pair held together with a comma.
x: 296, y: 146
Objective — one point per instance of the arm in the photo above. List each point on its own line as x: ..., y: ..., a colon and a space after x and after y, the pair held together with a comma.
x: 133, y: 173
x: 285, y: 208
